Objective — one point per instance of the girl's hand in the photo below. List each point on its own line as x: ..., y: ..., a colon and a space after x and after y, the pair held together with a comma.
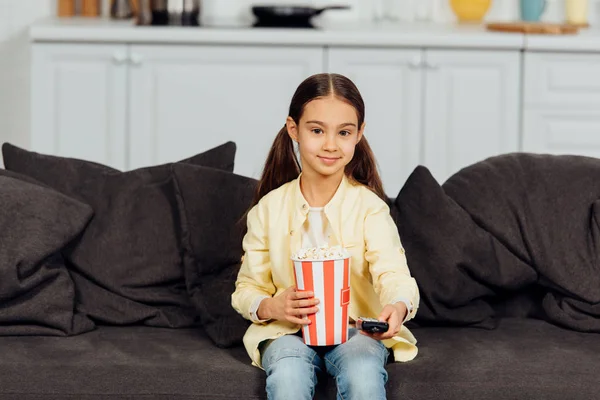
x: 289, y: 306
x: 393, y: 314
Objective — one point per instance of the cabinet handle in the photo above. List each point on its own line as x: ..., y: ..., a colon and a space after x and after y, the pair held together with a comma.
x: 119, y: 58
x: 429, y: 65
x: 136, y: 59
x: 415, y: 63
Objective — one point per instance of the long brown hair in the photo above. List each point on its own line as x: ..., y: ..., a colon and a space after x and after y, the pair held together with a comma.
x: 282, y: 165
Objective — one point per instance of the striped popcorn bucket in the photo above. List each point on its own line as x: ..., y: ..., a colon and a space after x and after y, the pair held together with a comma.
x: 330, y: 282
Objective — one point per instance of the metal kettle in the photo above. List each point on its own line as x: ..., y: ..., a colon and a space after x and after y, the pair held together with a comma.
x: 176, y: 12
x: 121, y: 9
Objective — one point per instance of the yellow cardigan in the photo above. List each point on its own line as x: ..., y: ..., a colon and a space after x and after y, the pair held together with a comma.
x: 361, y: 222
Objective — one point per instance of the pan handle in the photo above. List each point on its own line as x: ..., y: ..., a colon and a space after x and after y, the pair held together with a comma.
x: 320, y: 10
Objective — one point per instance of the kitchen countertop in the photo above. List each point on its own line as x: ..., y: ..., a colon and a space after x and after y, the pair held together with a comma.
x: 433, y: 35
x: 586, y: 41
x: 104, y: 30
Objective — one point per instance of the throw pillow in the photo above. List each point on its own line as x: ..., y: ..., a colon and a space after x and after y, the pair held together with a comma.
x: 127, y: 265
x: 454, y: 261
x: 36, y: 291
x: 212, y: 204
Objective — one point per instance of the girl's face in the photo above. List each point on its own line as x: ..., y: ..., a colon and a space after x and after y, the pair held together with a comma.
x: 327, y: 134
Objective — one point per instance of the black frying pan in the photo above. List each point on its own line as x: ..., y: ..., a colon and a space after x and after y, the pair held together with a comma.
x: 289, y: 16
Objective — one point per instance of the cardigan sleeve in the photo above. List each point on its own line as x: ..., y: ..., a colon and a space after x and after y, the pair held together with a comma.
x: 254, y: 279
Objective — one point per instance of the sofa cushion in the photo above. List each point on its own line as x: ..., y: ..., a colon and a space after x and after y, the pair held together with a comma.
x: 448, y: 255
x: 212, y: 205
x: 522, y: 358
x: 127, y: 264
x: 37, y: 295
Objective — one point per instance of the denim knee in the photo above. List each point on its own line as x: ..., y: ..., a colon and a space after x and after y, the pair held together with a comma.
x: 359, y: 368
x: 291, y: 370
x: 363, y: 381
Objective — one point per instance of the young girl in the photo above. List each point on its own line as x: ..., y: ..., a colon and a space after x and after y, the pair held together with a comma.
x: 333, y: 195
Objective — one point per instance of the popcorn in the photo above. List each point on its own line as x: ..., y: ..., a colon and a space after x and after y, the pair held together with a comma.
x: 321, y: 253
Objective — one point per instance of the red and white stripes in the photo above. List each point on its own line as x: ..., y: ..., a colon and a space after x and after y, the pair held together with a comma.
x: 330, y: 282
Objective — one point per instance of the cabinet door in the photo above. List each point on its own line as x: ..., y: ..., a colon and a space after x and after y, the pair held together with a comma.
x: 187, y: 99
x: 78, y: 101
x: 559, y: 80
x: 472, y: 107
x: 566, y: 131
x: 390, y: 81
x: 562, y: 104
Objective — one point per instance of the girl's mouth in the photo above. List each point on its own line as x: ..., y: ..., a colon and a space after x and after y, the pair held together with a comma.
x: 329, y: 160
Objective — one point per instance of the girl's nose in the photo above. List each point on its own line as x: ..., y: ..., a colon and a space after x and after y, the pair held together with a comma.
x: 330, y: 143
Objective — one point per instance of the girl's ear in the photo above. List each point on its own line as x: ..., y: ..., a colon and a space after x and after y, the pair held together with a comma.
x: 292, y: 128
x: 360, y: 132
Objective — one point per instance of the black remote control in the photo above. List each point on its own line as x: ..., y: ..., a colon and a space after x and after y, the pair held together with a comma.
x: 371, y: 325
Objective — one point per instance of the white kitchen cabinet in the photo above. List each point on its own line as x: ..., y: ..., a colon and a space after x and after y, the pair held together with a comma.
x: 79, y: 101
x: 390, y: 83
x: 561, y: 103
x: 444, y: 109
x: 472, y: 107
x: 187, y: 99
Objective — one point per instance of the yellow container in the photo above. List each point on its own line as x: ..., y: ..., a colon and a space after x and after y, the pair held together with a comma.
x: 470, y: 10
x: 576, y: 11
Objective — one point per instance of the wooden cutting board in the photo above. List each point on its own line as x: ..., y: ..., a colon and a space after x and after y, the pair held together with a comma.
x: 533, y: 28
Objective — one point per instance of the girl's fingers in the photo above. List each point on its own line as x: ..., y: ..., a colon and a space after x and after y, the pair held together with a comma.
x: 301, y: 294
x: 299, y: 321
x: 305, y: 303
x: 385, y: 314
x: 304, y: 311
x: 391, y: 332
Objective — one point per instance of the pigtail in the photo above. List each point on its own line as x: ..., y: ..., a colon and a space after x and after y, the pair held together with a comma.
x: 281, y: 166
x: 363, y: 169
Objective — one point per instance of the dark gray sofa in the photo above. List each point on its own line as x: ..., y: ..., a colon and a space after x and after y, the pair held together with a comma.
x: 117, y: 285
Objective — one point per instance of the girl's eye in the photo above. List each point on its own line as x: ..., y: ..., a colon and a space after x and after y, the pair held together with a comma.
x: 316, y: 130
x: 344, y: 133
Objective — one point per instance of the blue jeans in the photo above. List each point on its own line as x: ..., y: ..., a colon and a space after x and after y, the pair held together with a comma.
x: 358, y: 367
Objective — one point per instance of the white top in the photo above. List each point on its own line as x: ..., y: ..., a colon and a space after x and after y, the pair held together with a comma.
x: 316, y: 231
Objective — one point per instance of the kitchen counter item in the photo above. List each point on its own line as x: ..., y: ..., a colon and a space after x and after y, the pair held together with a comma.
x: 533, y: 27
x: 175, y: 12
x: 65, y: 8
x: 121, y: 9
x: 289, y: 16
x: 576, y: 12
x: 470, y: 11
x: 90, y: 8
